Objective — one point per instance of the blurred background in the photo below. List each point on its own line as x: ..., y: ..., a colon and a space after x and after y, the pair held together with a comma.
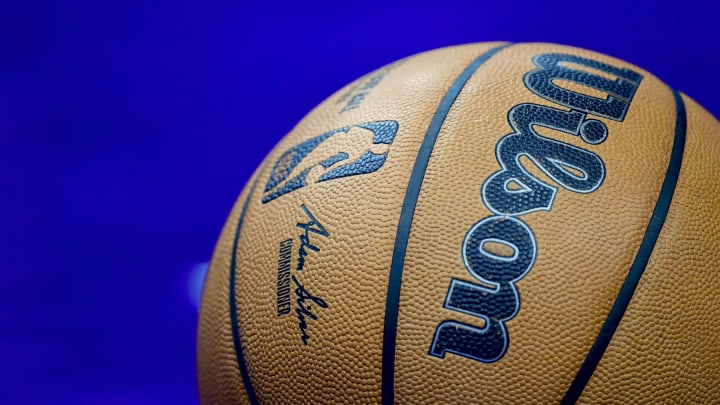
x: 128, y: 128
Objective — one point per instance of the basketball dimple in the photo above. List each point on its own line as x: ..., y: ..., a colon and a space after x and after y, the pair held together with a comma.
x: 492, y: 222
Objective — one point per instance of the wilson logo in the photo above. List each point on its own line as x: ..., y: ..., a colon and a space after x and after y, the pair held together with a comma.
x: 344, y: 152
x: 501, y: 249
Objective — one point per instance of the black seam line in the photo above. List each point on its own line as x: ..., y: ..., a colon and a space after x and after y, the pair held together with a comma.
x: 641, y: 259
x: 405, y: 222
x: 233, y: 306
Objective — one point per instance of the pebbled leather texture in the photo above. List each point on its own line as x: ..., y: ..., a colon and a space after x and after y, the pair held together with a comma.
x: 342, y: 214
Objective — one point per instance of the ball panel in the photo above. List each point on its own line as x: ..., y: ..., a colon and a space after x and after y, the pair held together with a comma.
x: 219, y: 378
x: 563, y: 304
x: 348, y: 267
x: 666, y: 347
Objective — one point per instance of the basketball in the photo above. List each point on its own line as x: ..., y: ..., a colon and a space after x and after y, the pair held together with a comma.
x: 484, y: 223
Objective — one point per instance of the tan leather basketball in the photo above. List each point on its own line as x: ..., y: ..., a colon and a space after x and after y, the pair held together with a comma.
x: 487, y: 223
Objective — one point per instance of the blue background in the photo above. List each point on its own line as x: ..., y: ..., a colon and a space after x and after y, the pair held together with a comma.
x: 128, y: 128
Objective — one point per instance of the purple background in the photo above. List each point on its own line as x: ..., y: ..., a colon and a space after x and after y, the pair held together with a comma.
x: 128, y: 128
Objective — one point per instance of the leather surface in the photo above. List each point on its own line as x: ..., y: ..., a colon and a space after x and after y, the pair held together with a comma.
x: 665, y: 349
